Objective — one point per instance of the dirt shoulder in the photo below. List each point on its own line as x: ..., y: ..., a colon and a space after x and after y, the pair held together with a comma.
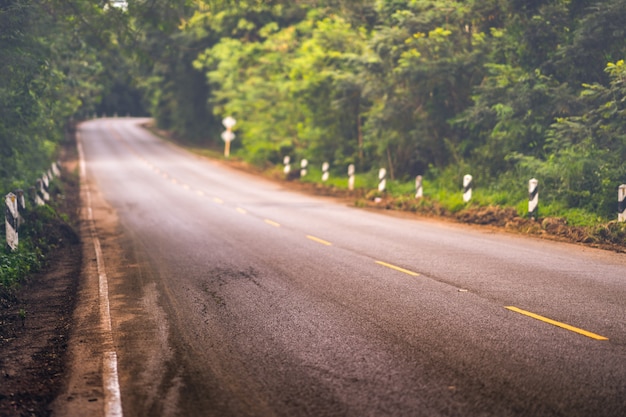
x: 36, y: 319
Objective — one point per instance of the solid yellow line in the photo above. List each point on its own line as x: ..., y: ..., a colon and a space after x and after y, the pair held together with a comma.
x: 397, y: 268
x: 268, y: 221
x: 318, y: 240
x: 240, y: 210
x: 557, y: 323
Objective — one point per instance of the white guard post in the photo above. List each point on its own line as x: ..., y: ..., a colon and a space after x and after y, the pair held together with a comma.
x: 467, y: 188
x: 303, y: 164
x: 351, y: 177
x: 325, y: 174
x: 287, y: 163
x: 533, y: 198
x: 382, y: 180
x: 10, y: 220
x: 621, y: 203
x: 419, y: 190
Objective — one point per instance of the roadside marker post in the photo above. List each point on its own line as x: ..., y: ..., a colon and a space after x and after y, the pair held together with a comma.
x: 533, y: 198
x: 325, y: 174
x: 42, y: 190
x: 21, y: 206
x: 621, y: 203
x: 419, y: 190
x: 11, y: 220
x: 287, y: 163
x: 467, y: 188
x: 303, y: 164
x: 382, y: 179
x: 351, y: 177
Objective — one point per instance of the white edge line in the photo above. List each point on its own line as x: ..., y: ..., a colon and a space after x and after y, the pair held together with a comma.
x: 110, y: 380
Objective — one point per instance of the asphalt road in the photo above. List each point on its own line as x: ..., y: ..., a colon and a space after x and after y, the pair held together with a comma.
x: 237, y: 297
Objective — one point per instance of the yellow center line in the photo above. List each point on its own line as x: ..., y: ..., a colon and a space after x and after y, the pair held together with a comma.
x: 557, y: 323
x: 318, y: 240
x: 218, y: 200
x: 397, y: 268
x: 240, y: 210
x: 270, y: 222
x: 186, y: 186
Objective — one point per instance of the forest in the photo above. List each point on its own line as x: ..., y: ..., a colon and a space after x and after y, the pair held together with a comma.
x: 506, y: 90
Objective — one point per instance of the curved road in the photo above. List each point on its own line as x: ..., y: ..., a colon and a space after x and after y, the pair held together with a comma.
x: 232, y: 296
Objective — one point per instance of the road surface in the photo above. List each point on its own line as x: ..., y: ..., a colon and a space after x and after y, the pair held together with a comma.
x: 230, y: 295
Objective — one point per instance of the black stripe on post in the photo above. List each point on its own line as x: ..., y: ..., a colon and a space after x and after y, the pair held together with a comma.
x: 533, y: 193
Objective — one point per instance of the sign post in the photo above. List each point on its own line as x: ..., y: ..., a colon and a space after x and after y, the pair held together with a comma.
x: 228, y: 135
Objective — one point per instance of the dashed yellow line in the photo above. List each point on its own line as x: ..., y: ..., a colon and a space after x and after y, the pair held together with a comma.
x: 240, y: 210
x: 318, y: 240
x: 557, y: 323
x: 200, y: 193
x: 397, y: 268
x: 218, y: 200
x: 272, y: 223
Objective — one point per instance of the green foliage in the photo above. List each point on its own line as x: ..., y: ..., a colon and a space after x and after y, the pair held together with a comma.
x: 50, y: 74
x: 14, y: 266
x: 503, y: 89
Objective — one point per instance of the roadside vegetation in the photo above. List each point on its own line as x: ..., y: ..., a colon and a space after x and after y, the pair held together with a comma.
x: 500, y: 89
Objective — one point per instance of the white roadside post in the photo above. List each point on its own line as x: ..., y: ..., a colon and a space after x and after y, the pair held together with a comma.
x: 325, y: 174
x: 42, y: 190
x: 33, y: 193
x: 382, y: 181
x: 55, y: 169
x: 351, y: 177
x: 10, y: 220
x: 228, y: 135
x: 287, y: 164
x: 303, y: 164
x: 533, y: 198
x: 21, y: 206
x: 621, y: 203
x: 419, y: 190
x: 467, y: 188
